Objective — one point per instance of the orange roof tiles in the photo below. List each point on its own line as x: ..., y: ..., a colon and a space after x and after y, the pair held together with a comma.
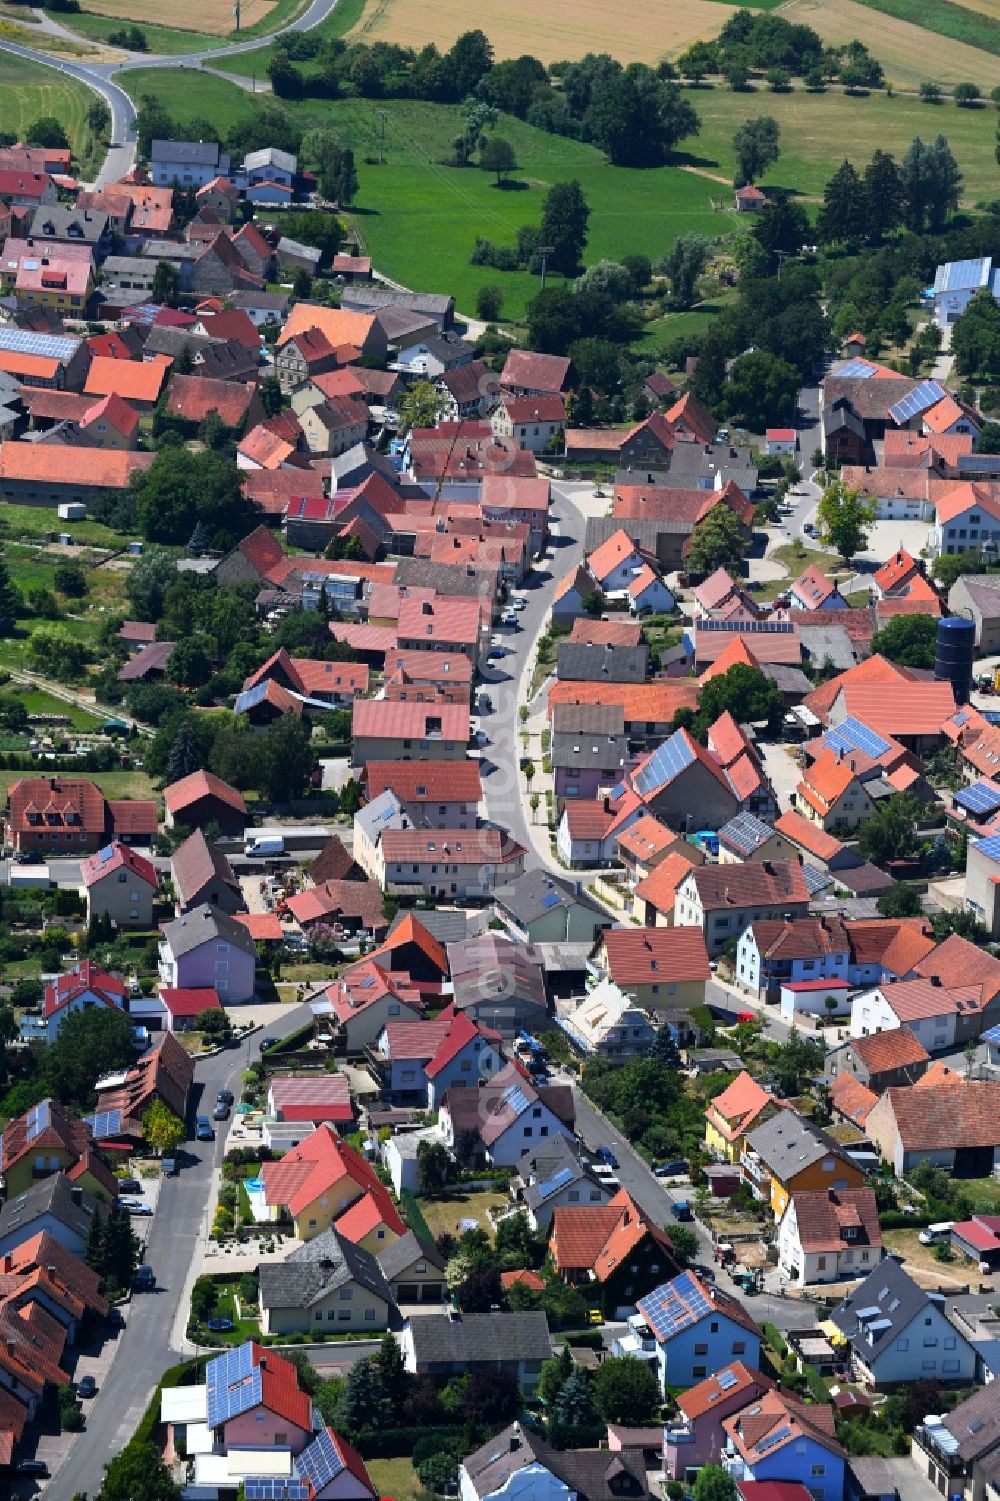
x: 875, y: 670
x: 813, y: 839
x: 895, y: 572
x: 618, y: 548
x: 199, y: 784
x: 645, y: 956
x: 824, y: 783
x: 740, y: 1103
x: 651, y: 703
x: 901, y: 708
x: 852, y: 1099
x: 58, y: 464
x: 135, y: 380
x: 883, y: 1052
x: 659, y: 888
x: 337, y: 324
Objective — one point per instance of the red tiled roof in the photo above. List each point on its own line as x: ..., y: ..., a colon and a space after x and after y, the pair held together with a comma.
x: 882, y: 1052
x: 201, y: 784
x: 189, y: 1002
x: 650, y: 956
x: 650, y: 703
x: 659, y: 888
x: 768, y: 884
x: 63, y: 464
x: 822, y: 1216
x: 852, y: 1099
x: 401, y: 719
x: 738, y: 1106
x: 374, y: 1208
x: 461, y: 1031
x: 136, y: 380
x: 952, y: 1114
x: 813, y: 839
x: 698, y: 1400
x: 312, y: 1168
x: 425, y: 781
x: 895, y: 572
x: 530, y: 371
x: 263, y: 927
x: 192, y: 398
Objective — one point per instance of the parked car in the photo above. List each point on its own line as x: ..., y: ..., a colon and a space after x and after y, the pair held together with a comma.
x: 225, y: 1097
x: 681, y: 1210
x: 169, y: 1167
x: 203, y: 1129
x: 605, y: 1155
x: 129, y: 1186
x: 519, y: 602
x: 86, y: 1387
x: 145, y: 1281
x: 136, y: 1206
x: 495, y: 652
x: 267, y: 1042
x: 221, y: 1111
x: 673, y: 1169
x: 509, y: 617
x: 808, y: 528
x: 32, y: 1467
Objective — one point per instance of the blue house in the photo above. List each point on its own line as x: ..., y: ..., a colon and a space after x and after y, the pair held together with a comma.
x: 779, y: 1439
x: 687, y: 1329
x: 774, y: 952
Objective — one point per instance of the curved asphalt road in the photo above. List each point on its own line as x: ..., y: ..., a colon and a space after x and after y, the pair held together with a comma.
x: 100, y: 76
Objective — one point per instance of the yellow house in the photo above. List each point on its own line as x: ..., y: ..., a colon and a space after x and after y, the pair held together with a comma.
x: 327, y: 1284
x: 324, y: 1184
x: 49, y: 1139
x: 788, y: 1154
x: 743, y: 1105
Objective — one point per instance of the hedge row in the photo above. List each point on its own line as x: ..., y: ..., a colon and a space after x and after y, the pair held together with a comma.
x: 393, y: 1443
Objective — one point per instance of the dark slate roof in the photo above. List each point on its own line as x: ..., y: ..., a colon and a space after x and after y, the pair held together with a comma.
x: 788, y: 1143
x: 474, y: 1338
x: 975, y: 1423
x: 53, y: 1195
x: 588, y: 719
x: 448, y: 578
x: 897, y: 1299
x: 535, y: 892
x: 400, y: 1256
x: 599, y: 752
x: 198, y: 153
x: 203, y: 925
x: 585, y: 663
x: 593, y: 1474
x: 369, y: 298
x: 318, y: 1267
x: 446, y: 927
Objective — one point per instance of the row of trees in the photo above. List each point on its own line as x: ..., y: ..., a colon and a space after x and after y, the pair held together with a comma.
x: 780, y: 49
x: 919, y: 193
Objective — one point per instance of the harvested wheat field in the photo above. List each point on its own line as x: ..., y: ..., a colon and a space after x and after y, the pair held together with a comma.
x: 908, y: 53
x: 211, y: 17
x: 643, y: 31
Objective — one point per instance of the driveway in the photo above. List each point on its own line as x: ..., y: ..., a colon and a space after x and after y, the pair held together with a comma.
x: 783, y: 771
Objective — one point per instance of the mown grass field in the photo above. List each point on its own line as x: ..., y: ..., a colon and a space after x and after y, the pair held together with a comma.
x: 114, y: 784
x: 903, y: 47
x: 187, y: 92
x: 29, y: 90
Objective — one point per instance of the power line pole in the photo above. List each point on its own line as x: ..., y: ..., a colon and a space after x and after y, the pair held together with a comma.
x: 545, y: 251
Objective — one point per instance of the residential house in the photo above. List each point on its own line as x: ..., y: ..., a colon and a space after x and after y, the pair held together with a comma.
x: 552, y: 1175
x: 54, y: 1207
x: 614, y: 1250
x: 897, y: 1332
x: 881, y: 1060
x: 695, y: 1436
x: 941, y: 1016
x: 325, y: 1283
x: 957, y: 1451
x: 53, y: 814
x: 519, y: 1463
x: 201, y: 799
x: 747, y: 837
x: 978, y: 595
x: 416, y: 1063
x: 682, y: 775
x: 165, y: 1072
x: 587, y: 663
x: 82, y: 988
x: 186, y: 163
x: 832, y: 794
x: 340, y: 326
x: 658, y: 967
x: 203, y: 876
x: 499, y: 983
x: 687, y: 1328
x: 785, y: 1443
x: 436, y: 795
x: 829, y: 1235
x: 534, y: 422
x: 464, y: 865
x: 943, y: 1119
x: 207, y: 948
x: 743, y: 1105
x: 966, y: 517
x: 324, y: 1183
x: 570, y: 592
x: 400, y: 730
x: 526, y: 373
x: 609, y: 1025
x: 723, y: 899
x: 414, y: 1270
x: 355, y: 907
x: 618, y: 565
x: 49, y: 1139
x: 788, y: 1154
x: 356, y: 1008
x: 777, y: 952
x: 120, y: 884
x: 503, y: 1119
x: 543, y: 908
x: 450, y: 1344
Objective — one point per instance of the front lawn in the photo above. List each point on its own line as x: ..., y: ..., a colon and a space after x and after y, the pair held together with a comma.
x: 396, y: 1478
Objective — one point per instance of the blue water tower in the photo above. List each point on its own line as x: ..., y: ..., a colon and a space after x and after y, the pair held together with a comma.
x: 953, y: 657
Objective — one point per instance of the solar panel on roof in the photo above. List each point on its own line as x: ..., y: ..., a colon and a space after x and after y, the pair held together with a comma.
x: 815, y: 879
x: 234, y: 1385
x: 746, y: 831
x: 675, y: 1306
x: 747, y: 627
x: 514, y: 1097
x: 550, y: 899
x: 856, y: 370
x: 853, y: 734
x: 868, y: 1313
x: 920, y: 399
x: 663, y: 765
x: 48, y: 346
x: 39, y: 1120
x: 981, y: 797
x: 558, y: 1180
x: 989, y: 847
x: 104, y: 1124
x: 320, y: 1462
x: 272, y: 1488
x: 727, y: 1379
x: 106, y: 853
x: 770, y: 1439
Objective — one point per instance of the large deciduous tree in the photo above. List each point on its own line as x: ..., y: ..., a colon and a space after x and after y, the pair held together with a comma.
x: 756, y: 144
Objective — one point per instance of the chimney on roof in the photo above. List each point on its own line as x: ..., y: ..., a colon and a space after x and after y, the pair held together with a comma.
x: 76, y: 1194
x: 51, y: 1270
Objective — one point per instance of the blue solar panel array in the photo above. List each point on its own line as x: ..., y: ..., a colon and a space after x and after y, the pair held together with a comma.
x: 556, y: 1182
x: 727, y: 1379
x: 234, y: 1385
x: 320, y: 1462
x: 747, y: 627
x: 856, y: 370
x: 48, y: 346
x: 271, y: 1488
x: 981, y: 797
x: 852, y: 734
x: 920, y: 399
x: 39, y: 1120
x: 815, y: 879
x: 663, y: 765
x: 675, y: 1306
x: 746, y: 832
x: 514, y: 1096
x: 105, y: 1123
x: 550, y: 899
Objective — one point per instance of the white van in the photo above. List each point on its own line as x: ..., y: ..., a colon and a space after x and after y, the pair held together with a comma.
x: 935, y: 1233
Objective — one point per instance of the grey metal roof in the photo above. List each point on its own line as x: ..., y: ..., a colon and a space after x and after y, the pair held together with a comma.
x: 304, y: 252
x: 317, y: 1268
x: 270, y: 156
x: 597, y: 752
x: 586, y: 663
x: 205, y: 925
x: 192, y: 153
x: 446, y: 927
x: 398, y: 1258
x: 963, y: 276
x: 745, y: 833
x: 480, y: 1338
x: 888, y: 1297
x: 828, y: 642
x: 449, y: 578
x: 383, y: 812
x: 366, y: 297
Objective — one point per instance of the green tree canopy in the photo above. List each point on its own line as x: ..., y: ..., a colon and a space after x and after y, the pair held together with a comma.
x: 138, y: 1473
x: 565, y: 216
x: 756, y: 145
x: 626, y: 1391
x: 717, y: 542
x: 908, y: 639
x: 419, y: 405
x: 762, y: 390
x: 713, y: 1483
x: 745, y: 692
x: 88, y: 1044
x: 846, y: 516
x: 889, y: 833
